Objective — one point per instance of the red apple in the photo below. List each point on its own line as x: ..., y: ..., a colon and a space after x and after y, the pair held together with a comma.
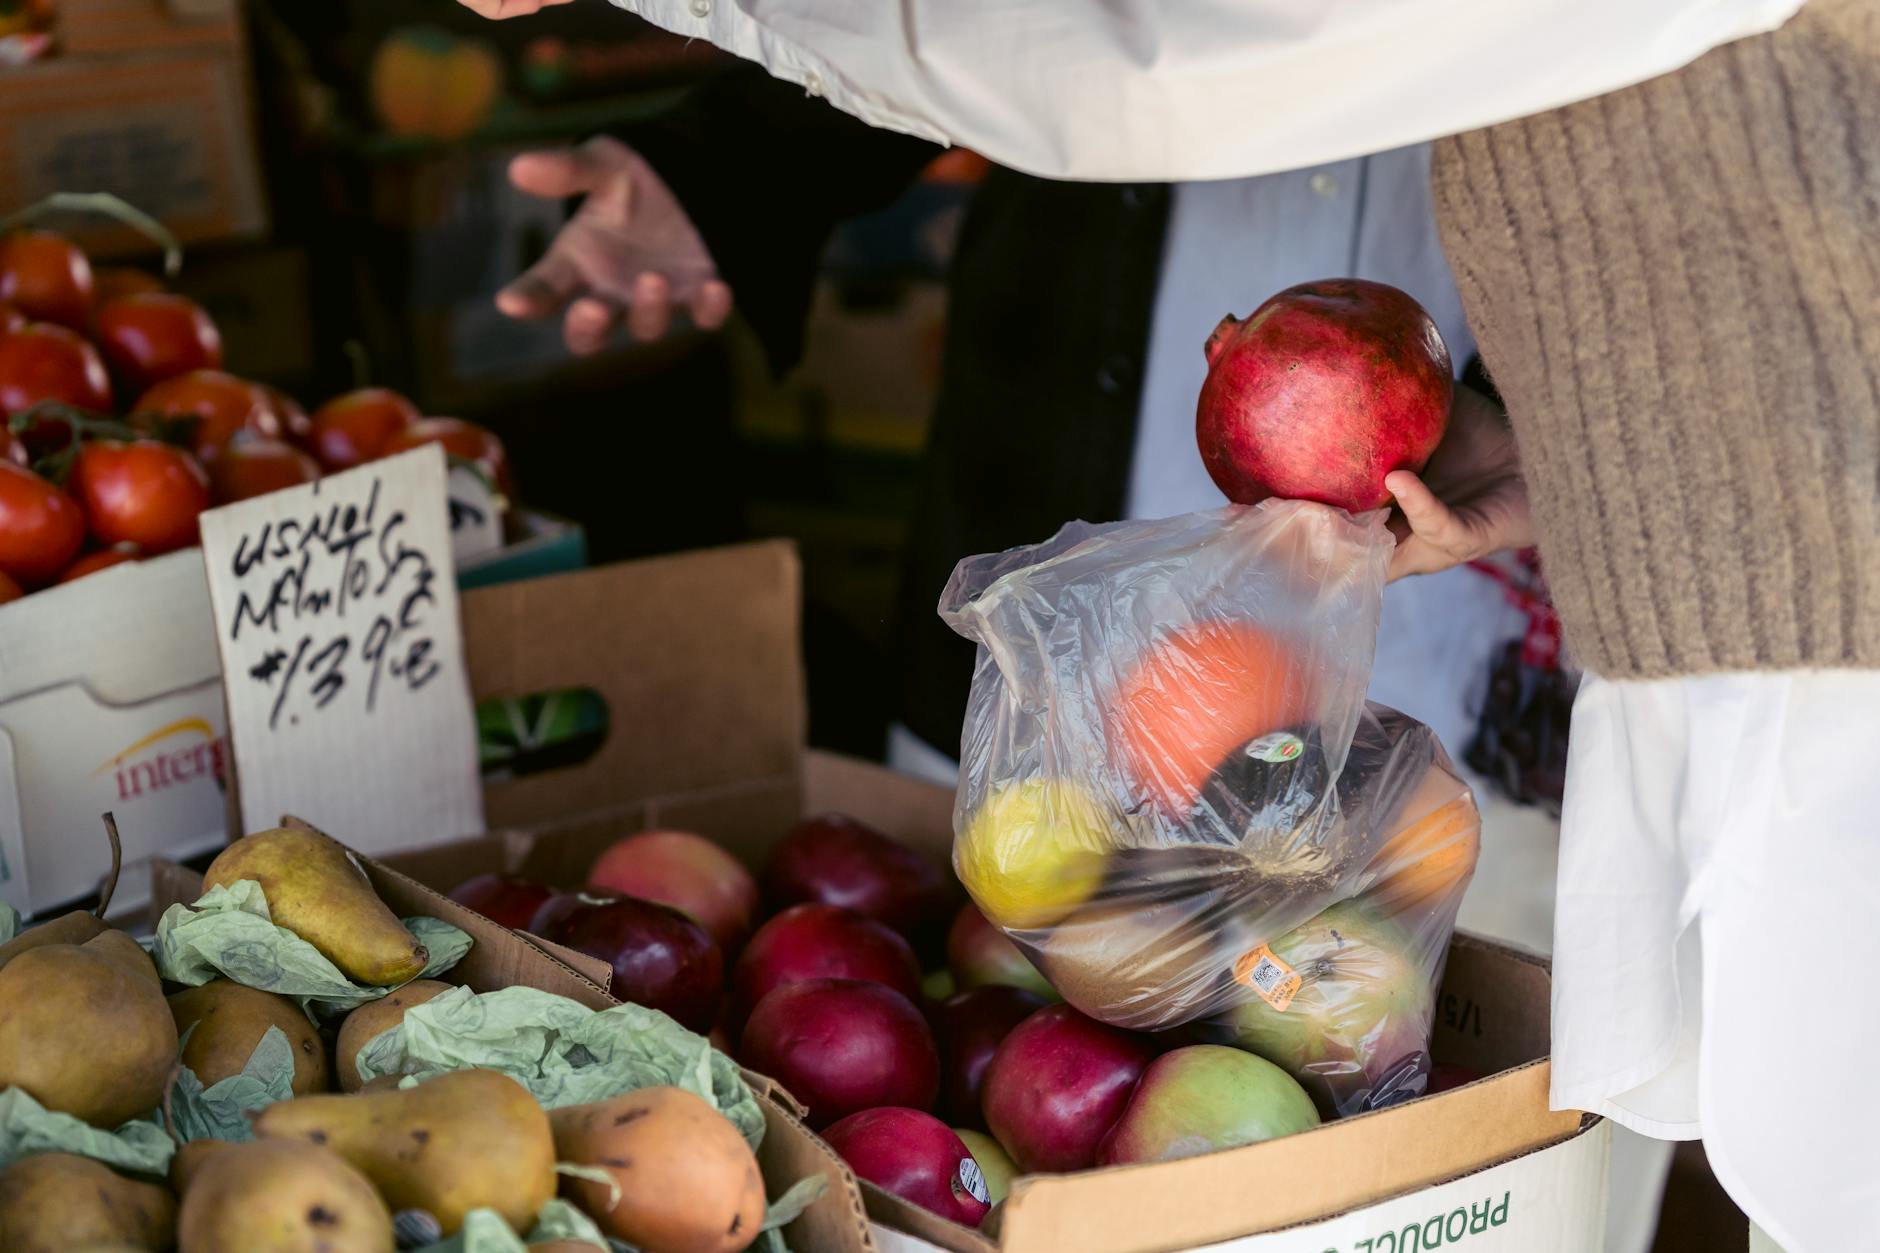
x: 661, y: 958
x: 506, y: 899
x: 687, y: 872
x: 1057, y: 1085
x: 916, y: 1157
x: 1324, y: 390
x: 843, y: 1045
x: 822, y: 942
x: 978, y: 954
x: 1203, y: 1098
x: 969, y: 1026
x: 556, y: 909
x: 835, y: 860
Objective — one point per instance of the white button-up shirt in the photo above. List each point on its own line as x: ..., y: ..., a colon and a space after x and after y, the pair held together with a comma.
x: 1177, y: 90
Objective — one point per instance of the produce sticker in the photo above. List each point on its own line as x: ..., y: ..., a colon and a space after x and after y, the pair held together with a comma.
x: 336, y: 615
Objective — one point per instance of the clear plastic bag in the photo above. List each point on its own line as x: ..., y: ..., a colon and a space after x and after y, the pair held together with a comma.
x: 1175, y: 799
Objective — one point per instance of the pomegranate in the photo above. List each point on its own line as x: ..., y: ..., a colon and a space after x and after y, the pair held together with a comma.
x: 1324, y: 390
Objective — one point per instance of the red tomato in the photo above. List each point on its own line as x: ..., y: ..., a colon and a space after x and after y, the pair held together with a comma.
x: 11, y: 449
x: 295, y: 423
x: 108, y: 282
x: 40, y: 526
x: 11, y: 320
x: 142, y: 492
x: 45, y: 362
x: 9, y: 588
x: 91, y: 563
x: 353, y: 429
x: 255, y: 466
x: 221, y: 404
x: 460, y: 439
x: 45, y: 277
x: 153, y: 336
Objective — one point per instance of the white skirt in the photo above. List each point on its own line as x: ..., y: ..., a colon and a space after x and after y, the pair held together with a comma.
x: 1717, y: 935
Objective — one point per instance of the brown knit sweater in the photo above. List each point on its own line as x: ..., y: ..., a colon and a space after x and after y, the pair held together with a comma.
x: 1676, y: 289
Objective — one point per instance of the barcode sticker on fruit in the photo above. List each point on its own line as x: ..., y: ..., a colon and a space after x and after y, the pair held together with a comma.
x: 974, y: 1181
x: 1278, y: 747
x: 1271, y: 978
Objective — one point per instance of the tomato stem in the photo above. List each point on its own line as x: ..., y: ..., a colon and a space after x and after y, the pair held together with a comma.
x: 108, y: 205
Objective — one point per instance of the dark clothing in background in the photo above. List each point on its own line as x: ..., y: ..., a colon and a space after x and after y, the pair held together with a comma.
x: 1051, y: 292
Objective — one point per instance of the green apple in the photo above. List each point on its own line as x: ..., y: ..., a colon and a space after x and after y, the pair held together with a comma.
x: 1204, y: 1098
x: 994, y: 1165
x: 1359, y: 1023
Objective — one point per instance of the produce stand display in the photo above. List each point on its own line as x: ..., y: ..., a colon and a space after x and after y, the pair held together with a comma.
x: 569, y: 938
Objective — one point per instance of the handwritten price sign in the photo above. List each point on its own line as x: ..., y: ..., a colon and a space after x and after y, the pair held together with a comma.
x: 342, y: 656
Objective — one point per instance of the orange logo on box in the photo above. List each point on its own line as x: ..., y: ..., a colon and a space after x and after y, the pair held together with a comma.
x: 147, y: 766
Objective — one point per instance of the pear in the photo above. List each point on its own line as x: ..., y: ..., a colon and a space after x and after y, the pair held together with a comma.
x: 684, y: 1179
x: 315, y: 891
x: 121, y: 948
x: 229, y: 1021
x: 470, y: 1139
x: 73, y: 928
x: 284, y: 1196
x: 57, y: 1202
x: 373, y: 1019
x: 85, y: 1031
x: 188, y: 1160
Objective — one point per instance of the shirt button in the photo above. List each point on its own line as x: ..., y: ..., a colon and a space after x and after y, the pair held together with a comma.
x: 1114, y: 373
x: 1323, y: 184
x: 701, y: 8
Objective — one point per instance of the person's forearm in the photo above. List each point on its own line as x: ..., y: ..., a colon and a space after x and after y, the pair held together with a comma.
x: 1148, y: 90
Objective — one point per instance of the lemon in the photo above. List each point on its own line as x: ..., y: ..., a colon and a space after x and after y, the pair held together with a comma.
x: 1034, y: 851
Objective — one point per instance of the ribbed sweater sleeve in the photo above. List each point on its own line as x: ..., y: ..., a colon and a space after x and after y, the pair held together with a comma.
x: 1677, y: 291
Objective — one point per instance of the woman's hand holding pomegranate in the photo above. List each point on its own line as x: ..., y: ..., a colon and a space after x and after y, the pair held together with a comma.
x: 629, y: 253
x: 1470, y: 500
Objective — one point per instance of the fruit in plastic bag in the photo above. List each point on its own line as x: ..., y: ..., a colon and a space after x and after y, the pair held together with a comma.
x: 1199, y: 694
x: 1204, y: 1098
x: 1431, y: 856
x: 1034, y: 851
x: 1342, y: 1003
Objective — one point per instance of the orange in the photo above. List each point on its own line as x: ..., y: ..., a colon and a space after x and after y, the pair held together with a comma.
x: 1201, y: 693
x: 1434, y: 855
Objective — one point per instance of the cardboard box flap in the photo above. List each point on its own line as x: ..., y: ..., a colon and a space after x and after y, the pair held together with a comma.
x: 697, y: 658
x: 79, y: 633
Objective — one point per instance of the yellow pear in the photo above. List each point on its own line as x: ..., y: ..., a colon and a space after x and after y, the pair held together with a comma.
x: 84, y: 1031
x: 229, y: 1021
x: 73, y: 928
x: 470, y: 1139
x: 683, y: 1178
x: 315, y: 891
x: 283, y: 1196
x: 121, y: 948
x: 188, y: 1160
x: 58, y: 1202
x: 372, y: 1019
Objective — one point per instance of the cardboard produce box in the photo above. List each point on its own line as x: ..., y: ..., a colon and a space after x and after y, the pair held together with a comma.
x: 502, y: 958
x: 172, y: 132
x: 111, y: 699
x: 697, y: 659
